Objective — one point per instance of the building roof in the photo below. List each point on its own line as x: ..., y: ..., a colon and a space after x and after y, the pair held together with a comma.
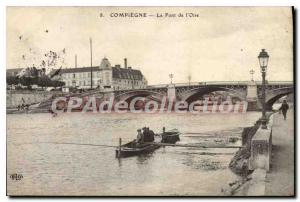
x: 122, y: 73
x: 79, y: 69
x: 117, y: 72
x: 13, y: 70
x: 105, y: 64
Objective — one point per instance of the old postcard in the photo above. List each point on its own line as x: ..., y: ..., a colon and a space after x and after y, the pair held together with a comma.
x: 150, y: 101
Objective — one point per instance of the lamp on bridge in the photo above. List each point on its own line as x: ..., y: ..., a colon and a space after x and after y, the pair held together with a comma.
x: 171, y: 77
x: 263, y: 59
x: 252, y: 72
x: 189, y: 78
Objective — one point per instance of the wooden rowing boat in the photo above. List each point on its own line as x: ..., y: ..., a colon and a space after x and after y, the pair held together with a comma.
x: 171, y: 136
x: 133, y: 148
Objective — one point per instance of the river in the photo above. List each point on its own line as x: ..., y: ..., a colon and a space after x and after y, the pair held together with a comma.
x: 36, y: 149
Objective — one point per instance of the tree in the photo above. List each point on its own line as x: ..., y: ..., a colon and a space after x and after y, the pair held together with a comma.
x: 12, y: 80
x: 27, y: 81
x: 56, y: 83
x: 44, y: 81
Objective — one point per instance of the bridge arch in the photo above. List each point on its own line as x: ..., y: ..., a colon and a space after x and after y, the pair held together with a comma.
x: 276, y: 94
x: 129, y: 95
x: 193, y: 94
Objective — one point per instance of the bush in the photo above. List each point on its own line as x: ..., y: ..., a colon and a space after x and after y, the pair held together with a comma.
x: 43, y: 81
x: 12, y: 80
x: 27, y: 81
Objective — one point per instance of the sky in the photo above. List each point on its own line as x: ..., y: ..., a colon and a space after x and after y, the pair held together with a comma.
x: 221, y: 44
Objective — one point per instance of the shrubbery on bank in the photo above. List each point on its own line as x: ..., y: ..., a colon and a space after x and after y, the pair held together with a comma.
x: 43, y: 81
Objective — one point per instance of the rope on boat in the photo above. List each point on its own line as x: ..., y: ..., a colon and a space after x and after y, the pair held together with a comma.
x: 73, y: 143
x: 152, y: 143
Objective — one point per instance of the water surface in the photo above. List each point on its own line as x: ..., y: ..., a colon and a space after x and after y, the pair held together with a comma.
x: 36, y: 149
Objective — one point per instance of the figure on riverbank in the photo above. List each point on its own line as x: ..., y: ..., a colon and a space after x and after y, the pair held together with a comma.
x: 284, y: 108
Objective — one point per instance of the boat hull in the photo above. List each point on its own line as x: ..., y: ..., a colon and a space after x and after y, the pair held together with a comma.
x: 171, y: 136
x: 135, y: 151
x: 172, y: 139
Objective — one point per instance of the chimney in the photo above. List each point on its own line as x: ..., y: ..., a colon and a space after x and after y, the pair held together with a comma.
x: 125, y: 63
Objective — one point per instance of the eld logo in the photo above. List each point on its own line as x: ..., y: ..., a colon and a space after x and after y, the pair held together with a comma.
x: 16, y: 176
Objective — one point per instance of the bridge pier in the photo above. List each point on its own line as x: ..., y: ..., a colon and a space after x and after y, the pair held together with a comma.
x: 252, y: 98
x: 108, y: 94
x: 171, y: 93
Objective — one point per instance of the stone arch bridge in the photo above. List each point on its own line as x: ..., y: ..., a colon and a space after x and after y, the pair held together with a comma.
x: 189, y: 92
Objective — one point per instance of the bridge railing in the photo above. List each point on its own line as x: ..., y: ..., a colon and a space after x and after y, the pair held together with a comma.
x: 200, y: 84
x: 220, y: 83
x: 279, y: 82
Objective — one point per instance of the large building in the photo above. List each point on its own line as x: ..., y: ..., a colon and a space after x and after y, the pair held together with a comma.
x: 13, y: 72
x: 104, y: 76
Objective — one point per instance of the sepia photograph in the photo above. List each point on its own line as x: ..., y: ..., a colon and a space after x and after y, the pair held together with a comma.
x: 138, y: 101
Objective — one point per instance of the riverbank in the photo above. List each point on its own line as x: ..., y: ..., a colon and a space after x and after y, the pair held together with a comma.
x: 279, y: 180
x: 16, y: 97
x: 239, y: 164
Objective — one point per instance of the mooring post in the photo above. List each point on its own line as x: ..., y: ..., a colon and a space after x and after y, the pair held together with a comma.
x: 120, y: 144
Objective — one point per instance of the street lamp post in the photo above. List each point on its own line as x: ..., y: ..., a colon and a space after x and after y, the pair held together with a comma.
x: 252, y: 72
x: 91, y: 50
x: 189, y: 78
x: 263, y: 59
x: 171, y: 77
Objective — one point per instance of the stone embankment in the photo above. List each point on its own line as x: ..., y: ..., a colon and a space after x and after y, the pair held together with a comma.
x: 252, y: 162
x: 15, y: 98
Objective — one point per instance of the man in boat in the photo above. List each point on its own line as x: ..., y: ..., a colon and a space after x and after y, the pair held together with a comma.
x: 140, y: 137
x: 146, y: 134
x: 151, y: 135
